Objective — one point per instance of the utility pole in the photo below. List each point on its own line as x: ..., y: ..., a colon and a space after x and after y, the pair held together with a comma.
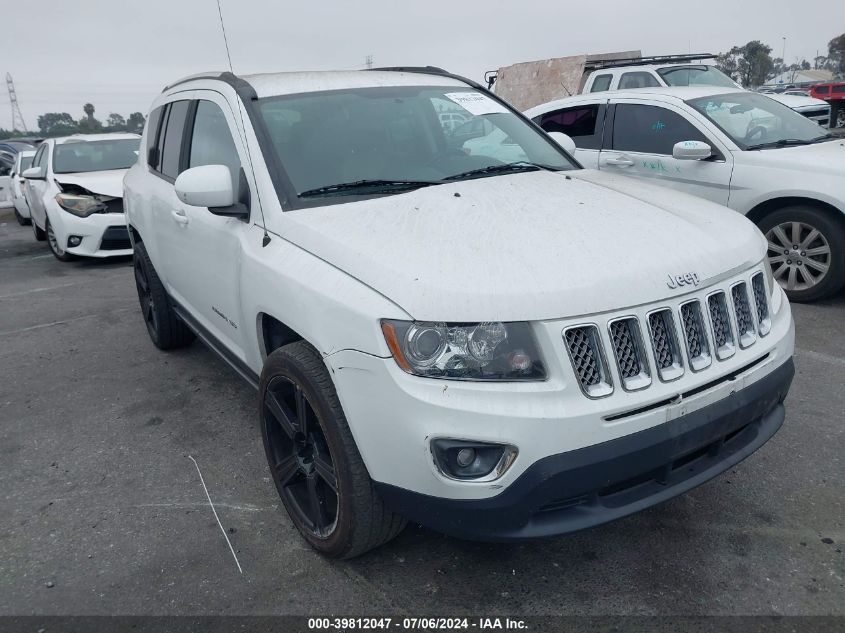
x: 18, y: 124
x: 368, y: 62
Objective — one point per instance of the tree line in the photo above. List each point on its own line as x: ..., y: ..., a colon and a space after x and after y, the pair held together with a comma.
x: 752, y: 65
x: 51, y: 124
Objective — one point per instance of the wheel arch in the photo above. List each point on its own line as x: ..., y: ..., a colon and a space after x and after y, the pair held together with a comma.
x: 274, y: 334
x: 757, y: 213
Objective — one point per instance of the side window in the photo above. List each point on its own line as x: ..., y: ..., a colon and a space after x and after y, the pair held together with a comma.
x: 601, y: 83
x: 152, y: 136
x: 650, y: 129
x: 637, y: 80
x: 170, y: 146
x: 582, y: 123
x: 211, y: 141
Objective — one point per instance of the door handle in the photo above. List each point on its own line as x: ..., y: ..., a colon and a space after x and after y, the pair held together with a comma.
x: 620, y: 161
x: 179, y: 215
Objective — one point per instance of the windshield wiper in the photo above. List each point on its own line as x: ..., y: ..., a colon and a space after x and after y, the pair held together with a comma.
x: 784, y: 142
x: 500, y: 169
x: 359, y: 187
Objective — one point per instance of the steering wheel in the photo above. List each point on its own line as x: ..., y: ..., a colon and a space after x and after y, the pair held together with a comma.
x: 755, y: 133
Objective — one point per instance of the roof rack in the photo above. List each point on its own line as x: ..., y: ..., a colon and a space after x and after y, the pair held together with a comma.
x: 429, y: 70
x: 642, y: 61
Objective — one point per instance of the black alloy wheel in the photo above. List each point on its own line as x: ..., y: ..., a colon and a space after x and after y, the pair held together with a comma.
x: 145, y: 297
x: 300, y: 459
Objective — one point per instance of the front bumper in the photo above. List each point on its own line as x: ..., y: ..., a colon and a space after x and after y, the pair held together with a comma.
x: 599, y: 483
x: 103, y: 234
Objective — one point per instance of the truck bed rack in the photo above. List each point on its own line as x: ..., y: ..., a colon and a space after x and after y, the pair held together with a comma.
x: 642, y: 61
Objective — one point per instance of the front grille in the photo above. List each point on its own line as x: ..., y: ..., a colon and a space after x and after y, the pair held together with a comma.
x: 744, y: 319
x: 720, y: 320
x: 587, y: 358
x: 695, y: 335
x: 758, y: 287
x: 629, y: 353
x: 664, y: 344
x: 115, y: 238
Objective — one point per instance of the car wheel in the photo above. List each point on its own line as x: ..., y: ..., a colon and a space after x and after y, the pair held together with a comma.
x: 165, y: 328
x: 53, y: 242
x: 313, y: 458
x: 806, y: 251
x: 840, y: 118
x: 40, y: 235
x: 21, y: 220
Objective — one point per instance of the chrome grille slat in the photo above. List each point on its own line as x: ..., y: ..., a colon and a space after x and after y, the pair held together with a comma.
x: 758, y: 288
x: 664, y: 345
x: 744, y: 319
x: 629, y: 352
x: 695, y: 335
x: 720, y: 322
x: 588, y: 361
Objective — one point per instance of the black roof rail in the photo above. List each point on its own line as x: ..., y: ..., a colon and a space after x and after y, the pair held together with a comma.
x: 642, y: 61
x: 428, y: 70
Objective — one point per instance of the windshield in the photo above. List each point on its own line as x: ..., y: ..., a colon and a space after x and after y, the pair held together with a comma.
x: 73, y: 157
x: 392, y: 139
x: 696, y: 76
x: 755, y: 121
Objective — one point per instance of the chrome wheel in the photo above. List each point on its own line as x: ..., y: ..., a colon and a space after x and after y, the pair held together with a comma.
x: 840, y: 118
x: 799, y: 254
x: 52, y: 241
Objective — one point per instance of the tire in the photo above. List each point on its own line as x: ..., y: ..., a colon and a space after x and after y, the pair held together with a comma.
x: 816, y: 269
x: 840, y: 118
x: 40, y: 235
x: 21, y: 220
x: 165, y: 328
x: 53, y: 243
x: 318, y: 471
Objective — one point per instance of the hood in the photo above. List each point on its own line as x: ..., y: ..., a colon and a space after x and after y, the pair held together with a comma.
x: 798, y: 103
x: 105, y: 183
x: 820, y: 158
x: 528, y: 246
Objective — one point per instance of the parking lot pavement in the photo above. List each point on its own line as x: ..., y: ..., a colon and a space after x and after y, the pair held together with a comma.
x: 102, y: 511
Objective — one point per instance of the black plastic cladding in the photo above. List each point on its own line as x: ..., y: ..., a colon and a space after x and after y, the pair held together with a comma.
x: 281, y: 183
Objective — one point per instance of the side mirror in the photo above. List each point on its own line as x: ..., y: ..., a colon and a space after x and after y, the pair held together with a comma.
x: 33, y: 173
x: 691, y: 150
x: 206, y: 186
x: 564, y: 140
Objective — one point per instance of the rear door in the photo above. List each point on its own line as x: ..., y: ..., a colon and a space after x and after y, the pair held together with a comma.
x: 583, y: 123
x: 639, y: 144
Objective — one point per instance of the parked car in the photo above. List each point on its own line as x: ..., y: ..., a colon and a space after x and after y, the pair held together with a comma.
x: 75, y: 194
x: 681, y: 71
x: 7, y: 162
x: 497, y: 351
x: 736, y: 148
x: 23, y: 160
x: 796, y: 93
x: 834, y: 94
x: 480, y: 136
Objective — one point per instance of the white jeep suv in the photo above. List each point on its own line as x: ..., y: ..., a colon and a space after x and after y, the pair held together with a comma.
x: 74, y: 189
x: 737, y: 148
x: 479, y: 346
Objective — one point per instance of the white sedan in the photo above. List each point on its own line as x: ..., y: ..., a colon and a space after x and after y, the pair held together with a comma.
x: 75, y: 194
x: 737, y: 148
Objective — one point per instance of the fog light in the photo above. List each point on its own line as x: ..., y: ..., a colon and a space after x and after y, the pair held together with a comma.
x: 472, y: 461
x: 74, y: 240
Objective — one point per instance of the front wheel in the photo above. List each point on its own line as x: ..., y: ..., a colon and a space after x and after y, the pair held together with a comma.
x: 55, y: 248
x: 806, y: 251
x: 313, y: 458
x: 21, y: 220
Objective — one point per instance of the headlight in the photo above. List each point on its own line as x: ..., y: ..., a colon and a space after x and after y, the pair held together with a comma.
x: 81, y: 206
x: 478, y: 351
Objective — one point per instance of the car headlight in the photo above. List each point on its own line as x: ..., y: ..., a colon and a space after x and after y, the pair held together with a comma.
x: 81, y: 206
x: 477, y: 351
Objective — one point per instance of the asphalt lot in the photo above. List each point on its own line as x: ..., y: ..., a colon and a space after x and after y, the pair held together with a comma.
x: 102, y: 511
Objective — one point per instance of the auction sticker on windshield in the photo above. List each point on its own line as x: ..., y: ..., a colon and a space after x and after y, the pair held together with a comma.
x: 476, y: 103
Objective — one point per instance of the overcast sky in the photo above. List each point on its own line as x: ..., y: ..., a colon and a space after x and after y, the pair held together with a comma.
x: 62, y: 54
